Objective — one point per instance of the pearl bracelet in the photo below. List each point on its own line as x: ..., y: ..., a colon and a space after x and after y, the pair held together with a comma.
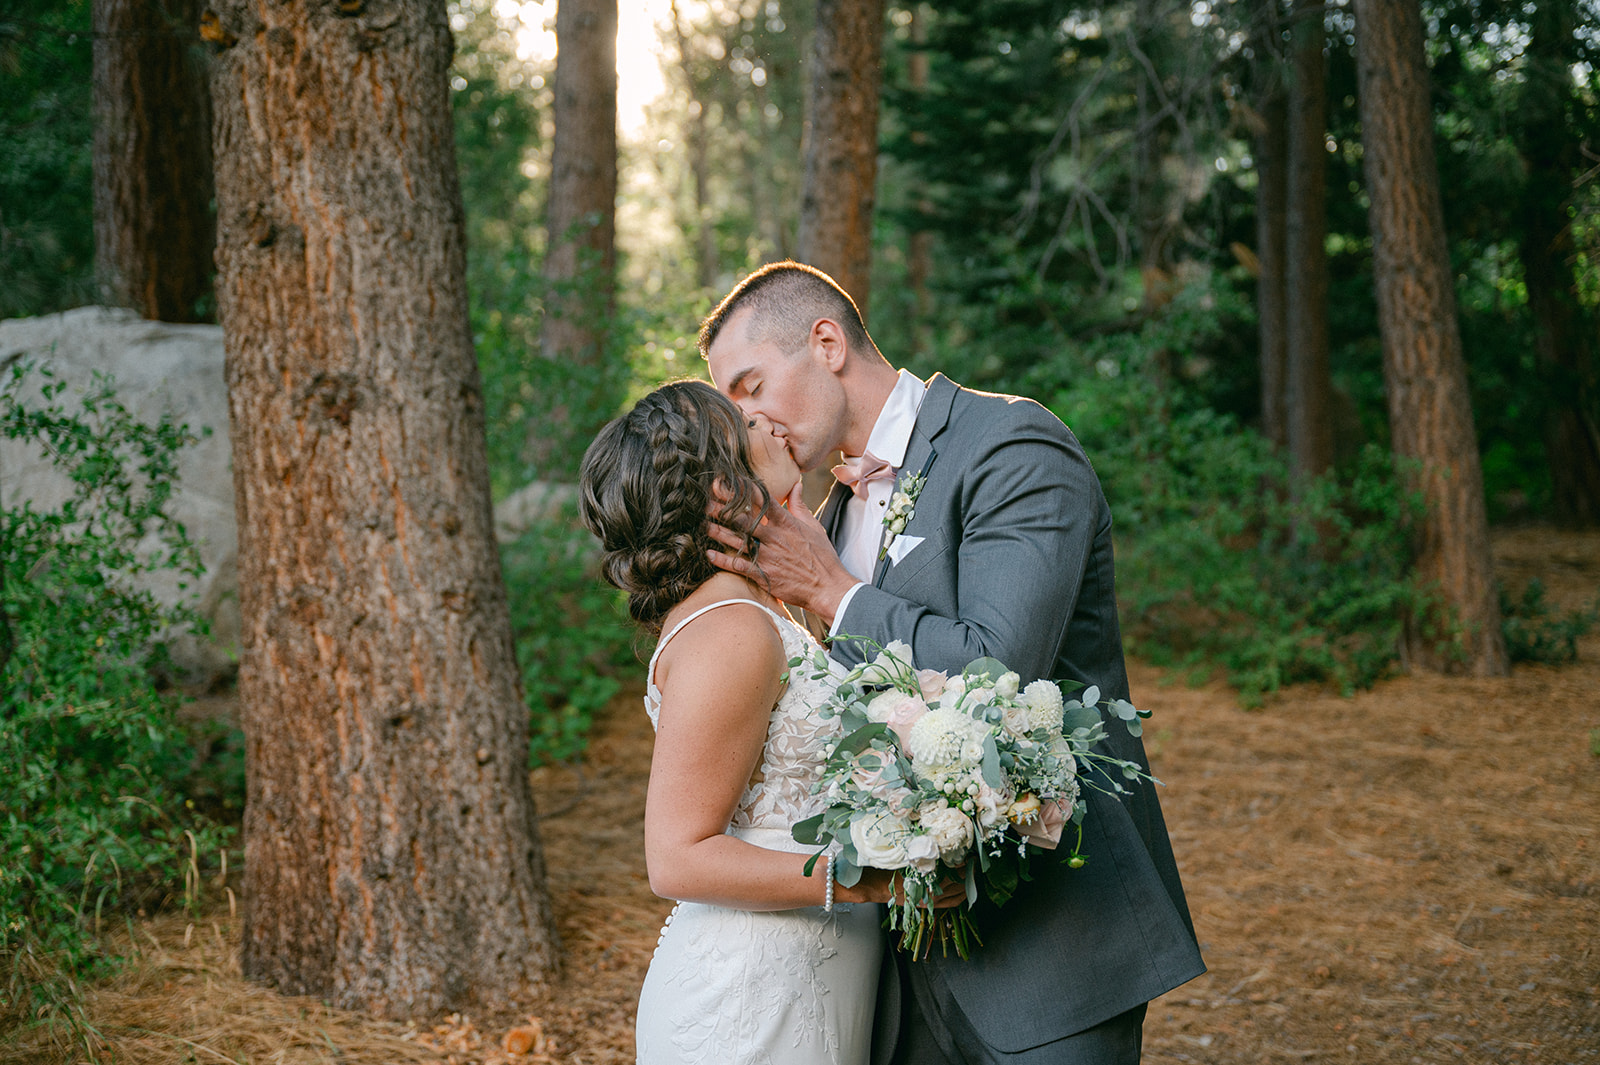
x: 827, y: 904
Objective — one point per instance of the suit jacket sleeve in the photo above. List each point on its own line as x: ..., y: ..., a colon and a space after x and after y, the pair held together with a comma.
x: 1017, y: 508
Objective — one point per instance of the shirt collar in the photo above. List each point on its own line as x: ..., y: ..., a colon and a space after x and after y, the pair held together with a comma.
x: 891, y: 433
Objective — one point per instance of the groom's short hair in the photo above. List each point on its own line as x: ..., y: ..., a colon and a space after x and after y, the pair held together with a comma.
x: 785, y: 300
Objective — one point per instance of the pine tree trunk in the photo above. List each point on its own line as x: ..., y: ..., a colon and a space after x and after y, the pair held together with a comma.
x: 392, y: 861
x: 581, y: 261
x: 1272, y: 194
x: 841, y: 155
x: 153, y: 230
x: 1565, y: 333
x: 1309, y: 386
x: 1430, y: 413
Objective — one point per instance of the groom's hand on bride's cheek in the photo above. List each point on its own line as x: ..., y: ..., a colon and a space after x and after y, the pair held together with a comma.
x: 792, y: 559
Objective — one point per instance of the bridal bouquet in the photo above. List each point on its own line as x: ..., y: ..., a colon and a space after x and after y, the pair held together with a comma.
x: 945, y: 778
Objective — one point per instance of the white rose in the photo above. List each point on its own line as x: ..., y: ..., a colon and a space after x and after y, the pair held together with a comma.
x: 1006, y: 687
x: 1017, y: 719
x: 950, y: 830
x: 954, y: 689
x: 880, y: 840
x: 891, y: 664
x: 990, y: 806
x: 922, y: 853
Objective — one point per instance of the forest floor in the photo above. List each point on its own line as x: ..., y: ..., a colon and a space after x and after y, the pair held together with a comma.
x: 1411, y: 874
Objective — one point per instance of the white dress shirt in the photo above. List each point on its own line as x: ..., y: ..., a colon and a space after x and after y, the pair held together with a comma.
x: 861, y: 525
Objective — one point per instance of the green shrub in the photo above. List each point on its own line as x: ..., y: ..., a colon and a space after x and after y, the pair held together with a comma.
x: 1219, y: 563
x: 1536, y: 634
x: 574, y: 637
x: 93, y: 816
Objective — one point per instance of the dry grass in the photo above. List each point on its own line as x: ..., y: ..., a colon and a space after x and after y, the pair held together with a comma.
x: 1410, y: 875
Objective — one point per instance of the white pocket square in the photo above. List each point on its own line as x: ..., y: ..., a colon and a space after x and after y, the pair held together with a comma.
x: 901, y: 546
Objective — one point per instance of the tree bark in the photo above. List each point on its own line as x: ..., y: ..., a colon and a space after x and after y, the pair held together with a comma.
x: 1272, y: 194
x: 580, y: 263
x: 392, y: 860
x: 153, y: 229
x: 1309, y: 385
x: 841, y: 154
x: 1565, y: 334
x: 1430, y: 413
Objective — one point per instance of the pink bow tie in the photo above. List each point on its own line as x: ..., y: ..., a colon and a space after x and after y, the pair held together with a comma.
x: 857, y: 473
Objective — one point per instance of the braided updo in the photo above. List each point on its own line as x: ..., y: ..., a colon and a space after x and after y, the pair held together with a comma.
x: 646, y: 491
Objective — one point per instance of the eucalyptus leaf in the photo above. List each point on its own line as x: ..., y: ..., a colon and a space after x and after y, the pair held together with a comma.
x: 806, y: 831
x: 992, y: 666
x: 1080, y: 717
x: 991, y: 763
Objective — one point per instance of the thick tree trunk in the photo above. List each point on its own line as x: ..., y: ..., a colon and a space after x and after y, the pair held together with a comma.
x: 153, y: 230
x: 1566, y: 334
x: 392, y: 860
x: 580, y: 263
x: 1430, y: 413
x: 841, y: 152
x: 1309, y: 386
x: 1272, y: 195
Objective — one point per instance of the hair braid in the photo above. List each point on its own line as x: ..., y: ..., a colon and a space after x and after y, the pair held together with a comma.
x: 649, y: 483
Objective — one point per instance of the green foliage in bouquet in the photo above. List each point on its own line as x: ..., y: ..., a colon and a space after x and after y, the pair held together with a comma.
x: 93, y: 814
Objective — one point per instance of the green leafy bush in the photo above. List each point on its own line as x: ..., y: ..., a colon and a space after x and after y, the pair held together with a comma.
x: 1219, y: 562
x: 93, y: 816
x: 1535, y: 633
x: 573, y: 634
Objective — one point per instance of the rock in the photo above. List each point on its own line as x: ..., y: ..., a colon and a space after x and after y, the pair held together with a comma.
x: 528, y: 505
x: 178, y: 369
x: 158, y: 368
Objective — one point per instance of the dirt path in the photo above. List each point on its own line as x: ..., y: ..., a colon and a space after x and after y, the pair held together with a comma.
x: 1409, y: 875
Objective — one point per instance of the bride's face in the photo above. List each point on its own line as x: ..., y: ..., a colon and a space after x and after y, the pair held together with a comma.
x: 773, y: 463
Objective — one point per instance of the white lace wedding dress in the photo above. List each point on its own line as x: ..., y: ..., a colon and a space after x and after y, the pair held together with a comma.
x: 792, y: 987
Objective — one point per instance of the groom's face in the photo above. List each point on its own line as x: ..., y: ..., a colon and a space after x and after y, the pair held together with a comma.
x: 796, y: 391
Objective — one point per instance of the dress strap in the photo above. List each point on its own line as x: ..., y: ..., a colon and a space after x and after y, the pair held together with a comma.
x: 650, y: 671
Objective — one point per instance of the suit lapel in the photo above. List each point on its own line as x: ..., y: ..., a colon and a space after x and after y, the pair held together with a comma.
x: 932, y: 418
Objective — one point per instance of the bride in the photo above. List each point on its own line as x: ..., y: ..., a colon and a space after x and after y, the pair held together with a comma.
x: 759, y: 962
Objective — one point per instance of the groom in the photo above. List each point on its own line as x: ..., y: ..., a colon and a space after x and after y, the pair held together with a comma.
x: 1007, y: 553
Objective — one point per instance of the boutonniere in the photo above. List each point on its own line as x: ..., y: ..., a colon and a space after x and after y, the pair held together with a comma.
x: 902, y: 508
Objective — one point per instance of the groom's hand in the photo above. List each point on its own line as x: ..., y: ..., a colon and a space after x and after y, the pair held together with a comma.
x: 793, y: 560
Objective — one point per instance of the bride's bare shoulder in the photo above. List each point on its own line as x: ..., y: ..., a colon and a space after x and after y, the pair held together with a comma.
x: 739, y: 631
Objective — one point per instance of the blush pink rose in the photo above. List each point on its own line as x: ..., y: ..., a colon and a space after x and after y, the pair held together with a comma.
x: 1045, y: 829
x: 932, y: 682
x: 897, y: 710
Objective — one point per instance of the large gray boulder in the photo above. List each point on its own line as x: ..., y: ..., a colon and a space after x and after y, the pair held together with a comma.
x: 178, y: 369
x: 158, y: 368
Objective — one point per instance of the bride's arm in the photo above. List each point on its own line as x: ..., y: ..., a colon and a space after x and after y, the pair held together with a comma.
x: 719, y: 679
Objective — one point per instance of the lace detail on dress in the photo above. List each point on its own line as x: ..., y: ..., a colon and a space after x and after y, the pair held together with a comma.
x: 798, y: 741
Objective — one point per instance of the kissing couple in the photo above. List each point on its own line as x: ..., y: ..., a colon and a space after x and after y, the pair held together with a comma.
x: 1000, y: 548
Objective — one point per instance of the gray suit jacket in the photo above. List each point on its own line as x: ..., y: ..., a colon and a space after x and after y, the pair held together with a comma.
x: 1016, y: 563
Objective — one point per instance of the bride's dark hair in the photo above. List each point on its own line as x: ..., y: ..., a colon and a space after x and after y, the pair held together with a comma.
x: 646, y: 490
